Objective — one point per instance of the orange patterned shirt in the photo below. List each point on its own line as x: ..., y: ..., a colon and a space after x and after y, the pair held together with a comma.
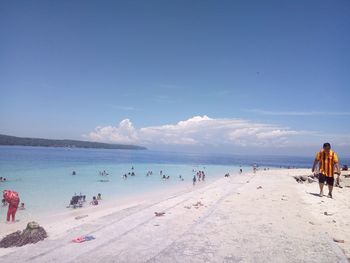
x: 327, y: 162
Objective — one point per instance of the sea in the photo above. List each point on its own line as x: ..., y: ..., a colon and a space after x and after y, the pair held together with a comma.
x: 43, y: 175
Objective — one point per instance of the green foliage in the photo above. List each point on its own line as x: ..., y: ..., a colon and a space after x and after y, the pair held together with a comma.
x: 12, y: 140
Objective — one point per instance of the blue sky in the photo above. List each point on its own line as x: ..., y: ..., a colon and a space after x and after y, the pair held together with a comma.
x: 67, y: 67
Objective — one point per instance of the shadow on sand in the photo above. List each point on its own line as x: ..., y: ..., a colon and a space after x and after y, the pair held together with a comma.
x: 315, y: 194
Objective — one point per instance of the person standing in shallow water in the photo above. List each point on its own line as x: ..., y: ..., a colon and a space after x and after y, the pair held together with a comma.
x: 327, y: 160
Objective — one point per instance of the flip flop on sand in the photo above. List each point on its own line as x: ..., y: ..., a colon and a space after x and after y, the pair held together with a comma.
x: 159, y: 213
x: 82, y: 239
x: 327, y: 214
x: 80, y: 217
x: 338, y: 240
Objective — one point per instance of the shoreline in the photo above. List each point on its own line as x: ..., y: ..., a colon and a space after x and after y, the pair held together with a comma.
x: 239, y: 218
x: 105, y: 207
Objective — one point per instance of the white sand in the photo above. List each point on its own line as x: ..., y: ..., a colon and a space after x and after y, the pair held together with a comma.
x: 281, y: 222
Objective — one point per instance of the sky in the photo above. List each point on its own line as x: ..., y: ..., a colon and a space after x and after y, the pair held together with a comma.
x: 222, y: 76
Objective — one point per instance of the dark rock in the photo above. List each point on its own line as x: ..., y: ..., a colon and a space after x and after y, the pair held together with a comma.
x: 303, y: 178
x: 11, y: 240
x: 32, y: 234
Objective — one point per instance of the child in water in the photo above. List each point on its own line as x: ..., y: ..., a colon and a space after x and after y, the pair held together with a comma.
x: 94, y: 201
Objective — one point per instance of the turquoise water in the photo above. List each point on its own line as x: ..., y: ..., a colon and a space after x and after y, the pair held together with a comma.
x: 43, y: 176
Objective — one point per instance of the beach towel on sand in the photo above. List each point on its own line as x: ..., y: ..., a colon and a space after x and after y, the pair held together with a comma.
x: 82, y: 239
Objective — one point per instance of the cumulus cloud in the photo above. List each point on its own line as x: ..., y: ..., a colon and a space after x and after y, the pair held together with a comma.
x: 198, y: 131
x: 124, y: 133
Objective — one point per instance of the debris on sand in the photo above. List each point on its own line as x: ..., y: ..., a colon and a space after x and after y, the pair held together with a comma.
x: 259, y: 187
x: 80, y: 217
x: 31, y: 235
x: 327, y: 214
x: 198, y: 204
x: 305, y: 178
x: 338, y: 240
x: 82, y: 239
x: 159, y: 213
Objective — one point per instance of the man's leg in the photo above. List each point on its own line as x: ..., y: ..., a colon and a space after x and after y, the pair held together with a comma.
x: 14, y: 209
x: 330, y: 182
x: 321, y: 180
x: 321, y: 188
x: 337, y: 182
x: 8, y: 213
x: 330, y: 189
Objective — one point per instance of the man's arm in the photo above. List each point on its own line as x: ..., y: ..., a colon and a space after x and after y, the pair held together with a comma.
x: 338, y: 174
x: 314, y: 165
x: 338, y: 169
x: 336, y: 164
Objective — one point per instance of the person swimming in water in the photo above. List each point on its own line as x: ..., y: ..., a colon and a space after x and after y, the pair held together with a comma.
x: 21, y: 207
x: 94, y: 201
x: 99, y: 196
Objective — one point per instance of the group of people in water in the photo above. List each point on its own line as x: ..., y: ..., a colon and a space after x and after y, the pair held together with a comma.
x: 149, y: 173
x: 132, y: 173
x: 163, y: 175
x: 125, y: 176
x: 102, y: 173
x: 199, y: 176
x: 77, y: 201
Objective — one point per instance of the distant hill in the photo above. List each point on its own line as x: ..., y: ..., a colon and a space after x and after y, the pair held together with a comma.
x: 12, y: 140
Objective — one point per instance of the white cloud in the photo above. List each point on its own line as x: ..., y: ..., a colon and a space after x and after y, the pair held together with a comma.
x: 124, y: 133
x: 198, y: 131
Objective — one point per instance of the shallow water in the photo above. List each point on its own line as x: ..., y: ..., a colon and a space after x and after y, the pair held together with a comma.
x: 43, y: 176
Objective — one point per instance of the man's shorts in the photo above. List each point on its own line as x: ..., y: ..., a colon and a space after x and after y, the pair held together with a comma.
x: 322, y: 178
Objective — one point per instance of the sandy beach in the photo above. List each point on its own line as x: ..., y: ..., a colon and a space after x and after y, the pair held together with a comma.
x: 261, y: 217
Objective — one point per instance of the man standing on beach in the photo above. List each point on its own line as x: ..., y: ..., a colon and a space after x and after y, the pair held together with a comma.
x: 327, y: 159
